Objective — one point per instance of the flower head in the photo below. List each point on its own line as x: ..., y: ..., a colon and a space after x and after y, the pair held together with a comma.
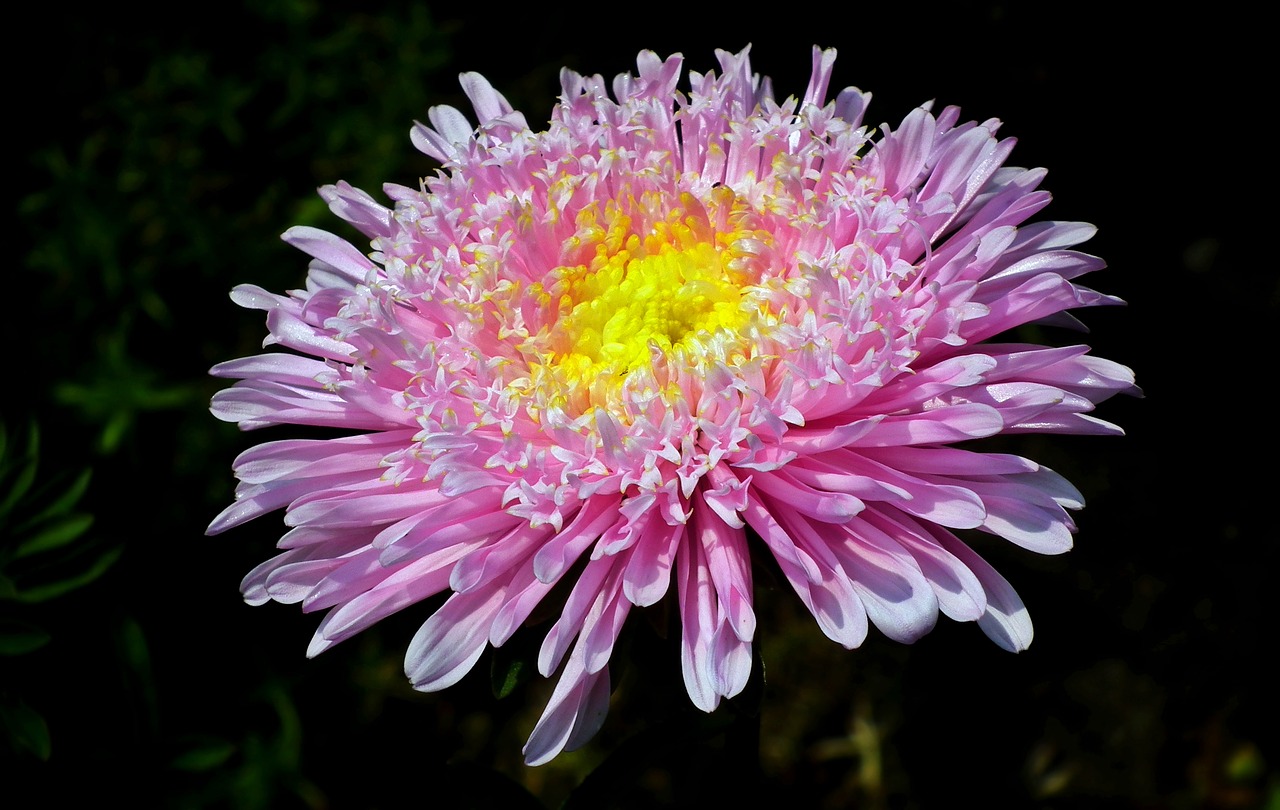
x: 621, y: 347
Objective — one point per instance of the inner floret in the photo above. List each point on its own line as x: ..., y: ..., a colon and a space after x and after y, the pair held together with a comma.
x: 679, y: 283
x: 625, y: 301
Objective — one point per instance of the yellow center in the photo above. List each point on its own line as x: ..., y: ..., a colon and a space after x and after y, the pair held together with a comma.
x: 679, y: 285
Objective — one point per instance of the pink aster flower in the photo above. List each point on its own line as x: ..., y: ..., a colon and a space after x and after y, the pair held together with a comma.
x: 675, y: 329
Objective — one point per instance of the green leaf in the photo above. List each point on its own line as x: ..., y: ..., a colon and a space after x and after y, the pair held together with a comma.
x: 114, y: 432
x: 41, y: 593
x: 22, y: 482
x: 506, y: 679
x: 26, y: 729
x: 513, y: 664
x: 204, y: 755
x: 57, y: 534
x: 134, y: 648
x: 62, y: 504
x: 20, y: 638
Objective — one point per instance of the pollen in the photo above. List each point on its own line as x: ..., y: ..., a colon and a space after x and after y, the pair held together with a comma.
x: 642, y: 284
x: 673, y: 297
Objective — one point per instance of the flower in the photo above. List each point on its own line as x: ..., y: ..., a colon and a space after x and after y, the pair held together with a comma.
x: 669, y: 332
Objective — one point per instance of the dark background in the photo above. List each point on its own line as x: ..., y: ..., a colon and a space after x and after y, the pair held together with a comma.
x: 158, y: 156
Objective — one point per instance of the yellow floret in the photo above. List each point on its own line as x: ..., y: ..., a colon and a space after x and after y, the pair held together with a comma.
x: 675, y: 286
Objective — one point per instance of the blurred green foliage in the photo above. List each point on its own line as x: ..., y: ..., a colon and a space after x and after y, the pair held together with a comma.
x: 177, y: 153
x: 41, y: 556
x: 190, y: 155
x: 44, y: 554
